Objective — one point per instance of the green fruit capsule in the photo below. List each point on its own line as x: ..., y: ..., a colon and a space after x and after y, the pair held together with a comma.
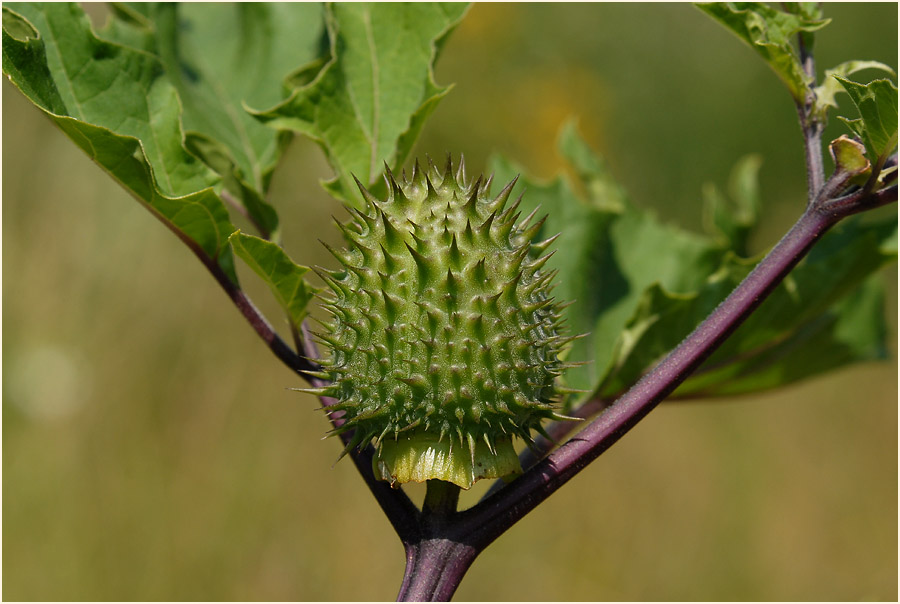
x: 443, y: 337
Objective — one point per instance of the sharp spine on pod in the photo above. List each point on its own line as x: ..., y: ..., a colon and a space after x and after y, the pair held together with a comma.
x: 438, y: 283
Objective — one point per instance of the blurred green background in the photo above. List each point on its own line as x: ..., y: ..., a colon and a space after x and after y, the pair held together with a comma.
x: 152, y: 451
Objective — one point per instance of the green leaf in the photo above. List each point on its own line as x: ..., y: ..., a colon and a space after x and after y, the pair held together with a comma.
x: 115, y: 103
x: 811, y: 11
x: 217, y: 156
x: 877, y: 124
x: 281, y: 274
x: 221, y: 56
x: 837, y: 265
x: 793, y: 335
x: 660, y: 321
x: 640, y: 286
x: 601, y: 191
x: 368, y: 104
x: 768, y: 31
x: 825, y: 94
x: 852, y: 331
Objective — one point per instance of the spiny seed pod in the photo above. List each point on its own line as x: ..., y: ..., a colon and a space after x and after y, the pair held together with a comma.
x: 443, y: 336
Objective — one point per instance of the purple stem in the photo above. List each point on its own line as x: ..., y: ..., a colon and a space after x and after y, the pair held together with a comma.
x: 812, y: 128
x: 257, y: 321
x: 812, y: 144
x: 434, y: 569
x: 263, y: 328
x: 502, y: 510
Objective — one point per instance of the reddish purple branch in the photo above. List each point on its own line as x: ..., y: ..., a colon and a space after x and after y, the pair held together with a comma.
x: 260, y: 325
x: 257, y: 321
x: 506, y: 507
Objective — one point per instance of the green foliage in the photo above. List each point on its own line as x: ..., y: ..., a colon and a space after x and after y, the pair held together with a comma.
x: 825, y: 93
x: 610, y: 252
x: 221, y: 57
x: 877, y: 124
x: 770, y: 32
x: 791, y: 337
x: 641, y: 286
x: 370, y: 101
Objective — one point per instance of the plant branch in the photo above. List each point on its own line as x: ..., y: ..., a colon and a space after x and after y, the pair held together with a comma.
x: 857, y: 202
x: 434, y: 569
x: 811, y: 126
x: 439, y: 557
x: 441, y: 498
x: 248, y: 310
x: 490, y: 518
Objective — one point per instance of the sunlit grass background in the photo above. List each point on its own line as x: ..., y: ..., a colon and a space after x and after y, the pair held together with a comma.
x: 151, y: 450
